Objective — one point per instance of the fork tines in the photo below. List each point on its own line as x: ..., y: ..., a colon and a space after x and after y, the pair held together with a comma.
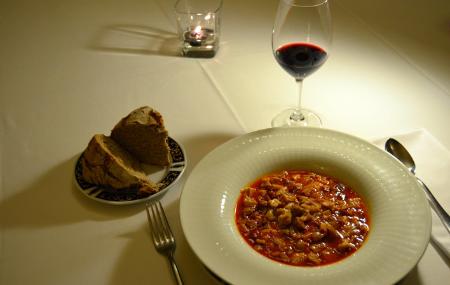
x: 161, y: 232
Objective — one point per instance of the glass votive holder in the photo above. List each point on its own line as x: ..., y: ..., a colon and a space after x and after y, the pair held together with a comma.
x: 198, y: 26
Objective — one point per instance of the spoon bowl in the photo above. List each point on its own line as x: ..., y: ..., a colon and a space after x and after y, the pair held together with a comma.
x: 399, y: 151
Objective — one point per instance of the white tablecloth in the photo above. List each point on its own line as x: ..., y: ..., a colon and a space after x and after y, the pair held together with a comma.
x: 70, y: 69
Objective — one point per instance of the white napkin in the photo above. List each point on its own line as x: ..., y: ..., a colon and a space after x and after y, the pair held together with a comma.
x: 433, y: 167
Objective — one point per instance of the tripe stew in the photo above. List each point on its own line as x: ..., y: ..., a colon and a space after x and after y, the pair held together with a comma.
x: 302, y: 218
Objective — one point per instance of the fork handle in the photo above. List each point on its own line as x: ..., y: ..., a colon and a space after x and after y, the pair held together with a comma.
x: 175, y: 271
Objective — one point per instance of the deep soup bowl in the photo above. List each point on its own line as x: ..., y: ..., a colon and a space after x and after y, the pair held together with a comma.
x: 400, y: 218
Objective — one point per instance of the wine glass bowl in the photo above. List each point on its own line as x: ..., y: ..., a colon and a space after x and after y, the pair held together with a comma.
x: 301, y: 39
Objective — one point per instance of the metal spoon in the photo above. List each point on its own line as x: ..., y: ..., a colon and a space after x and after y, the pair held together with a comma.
x: 399, y: 151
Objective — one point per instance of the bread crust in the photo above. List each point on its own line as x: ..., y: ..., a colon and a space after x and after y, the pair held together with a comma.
x: 143, y: 134
x: 106, y: 163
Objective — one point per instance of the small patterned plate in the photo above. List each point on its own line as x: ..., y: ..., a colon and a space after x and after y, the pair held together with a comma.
x: 165, y: 177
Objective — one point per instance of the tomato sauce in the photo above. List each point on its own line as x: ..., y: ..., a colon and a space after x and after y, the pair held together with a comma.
x: 302, y: 218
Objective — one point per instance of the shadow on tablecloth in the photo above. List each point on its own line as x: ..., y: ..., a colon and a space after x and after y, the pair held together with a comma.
x: 53, y: 199
x: 135, y: 39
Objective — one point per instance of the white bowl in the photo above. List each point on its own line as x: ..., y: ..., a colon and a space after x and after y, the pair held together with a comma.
x: 398, y: 210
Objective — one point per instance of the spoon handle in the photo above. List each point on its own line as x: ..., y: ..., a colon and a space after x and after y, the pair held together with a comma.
x: 442, y: 214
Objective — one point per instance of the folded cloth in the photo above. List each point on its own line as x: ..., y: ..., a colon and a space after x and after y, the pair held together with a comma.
x: 433, y: 168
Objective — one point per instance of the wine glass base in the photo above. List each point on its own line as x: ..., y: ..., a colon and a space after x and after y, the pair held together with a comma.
x: 283, y: 119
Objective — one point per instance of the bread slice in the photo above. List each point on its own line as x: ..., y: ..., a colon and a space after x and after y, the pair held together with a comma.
x: 106, y: 163
x: 142, y: 133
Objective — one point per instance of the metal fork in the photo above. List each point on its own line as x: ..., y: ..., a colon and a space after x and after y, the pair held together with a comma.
x: 162, y: 235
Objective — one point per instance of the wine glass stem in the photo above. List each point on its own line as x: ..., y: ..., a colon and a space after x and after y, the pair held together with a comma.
x: 297, y: 114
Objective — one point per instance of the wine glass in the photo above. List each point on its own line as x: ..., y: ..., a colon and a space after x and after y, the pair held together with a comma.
x: 301, y: 40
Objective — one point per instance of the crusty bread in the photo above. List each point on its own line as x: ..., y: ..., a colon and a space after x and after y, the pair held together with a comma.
x: 142, y: 133
x: 106, y: 163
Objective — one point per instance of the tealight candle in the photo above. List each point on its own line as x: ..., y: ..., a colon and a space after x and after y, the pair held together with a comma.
x: 199, y: 30
x: 197, y: 36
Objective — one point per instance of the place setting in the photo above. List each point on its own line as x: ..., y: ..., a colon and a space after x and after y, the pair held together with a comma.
x: 293, y: 203
x: 224, y: 142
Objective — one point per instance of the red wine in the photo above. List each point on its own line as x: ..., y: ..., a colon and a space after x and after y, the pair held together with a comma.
x: 300, y: 59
